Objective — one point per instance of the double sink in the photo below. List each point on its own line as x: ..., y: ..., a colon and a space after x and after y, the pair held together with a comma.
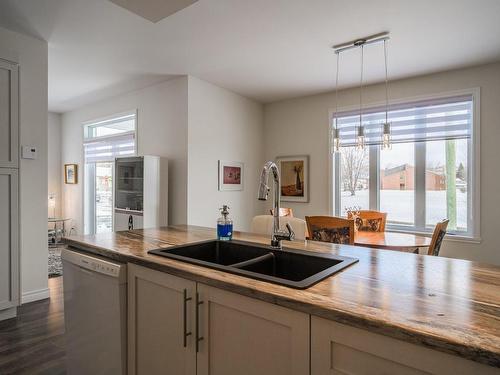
x: 293, y: 268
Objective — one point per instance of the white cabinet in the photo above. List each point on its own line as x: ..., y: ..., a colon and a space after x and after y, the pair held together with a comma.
x: 9, y: 189
x: 340, y: 349
x: 175, y: 330
x: 9, y: 238
x: 177, y: 326
x: 9, y: 128
x: 245, y: 336
x: 141, y: 192
x: 160, y: 323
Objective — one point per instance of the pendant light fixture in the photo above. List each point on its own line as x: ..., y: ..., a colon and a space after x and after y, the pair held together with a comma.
x: 360, y: 134
x: 335, y: 128
x: 386, y: 126
x: 360, y: 131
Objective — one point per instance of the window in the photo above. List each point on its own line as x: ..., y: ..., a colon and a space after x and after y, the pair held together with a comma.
x: 426, y: 176
x: 103, y: 141
x: 355, y: 179
x: 397, y: 183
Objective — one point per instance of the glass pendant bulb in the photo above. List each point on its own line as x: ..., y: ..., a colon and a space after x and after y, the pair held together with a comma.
x: 360, y: 139
x: 336, y: 140
x: 386, y: 136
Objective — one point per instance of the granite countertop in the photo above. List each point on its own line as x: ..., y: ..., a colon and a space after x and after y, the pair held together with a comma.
x: 449, y: 305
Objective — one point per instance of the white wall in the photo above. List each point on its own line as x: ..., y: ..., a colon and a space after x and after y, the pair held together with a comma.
x: 162, y: 131
x: 32, y: 56
x: 222, y: 126
x: 55, y: 168
x: 299, y: 126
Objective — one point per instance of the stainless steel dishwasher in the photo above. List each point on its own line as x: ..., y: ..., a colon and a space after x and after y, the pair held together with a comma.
x: 95, y: 314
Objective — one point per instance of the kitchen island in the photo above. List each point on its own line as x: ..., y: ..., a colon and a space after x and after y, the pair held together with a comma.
x: 396, y: 312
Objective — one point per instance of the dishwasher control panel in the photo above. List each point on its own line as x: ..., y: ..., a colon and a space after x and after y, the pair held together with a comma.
x: 100, y: 266
x: 95, y: 264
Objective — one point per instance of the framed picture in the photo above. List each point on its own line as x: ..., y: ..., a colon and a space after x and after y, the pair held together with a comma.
x: 230, y: 175
x: 294, y: 172
x: 70, y: 173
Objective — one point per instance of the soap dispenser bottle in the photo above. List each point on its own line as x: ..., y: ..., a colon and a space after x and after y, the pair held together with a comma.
x: 224, y: 225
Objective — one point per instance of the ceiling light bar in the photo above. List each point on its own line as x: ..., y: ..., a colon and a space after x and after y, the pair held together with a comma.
x: 377, y: 38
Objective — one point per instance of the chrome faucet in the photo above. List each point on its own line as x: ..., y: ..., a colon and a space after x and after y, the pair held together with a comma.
x: 277, y: 235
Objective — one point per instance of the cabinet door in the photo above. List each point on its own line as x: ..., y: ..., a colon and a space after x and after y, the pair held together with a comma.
x: 122, y: 219
x: 9, y: 128
x: 246, y: 336
x: 158, y: 319
x: 9, y: 238
x: 338, y: 349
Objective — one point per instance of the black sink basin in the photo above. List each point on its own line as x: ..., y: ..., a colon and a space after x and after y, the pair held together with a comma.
x: 219, y: 252
x: 294, y: 268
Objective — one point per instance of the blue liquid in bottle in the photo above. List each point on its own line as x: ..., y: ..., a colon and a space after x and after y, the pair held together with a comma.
x: 224, y: 225
x: 224, y: 231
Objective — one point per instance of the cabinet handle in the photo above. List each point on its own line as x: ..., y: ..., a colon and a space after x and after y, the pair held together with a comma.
x: 186, y: 333
x: 198, y: 337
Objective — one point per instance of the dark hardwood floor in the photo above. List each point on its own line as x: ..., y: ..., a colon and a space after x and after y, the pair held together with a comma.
x: 33, y: 343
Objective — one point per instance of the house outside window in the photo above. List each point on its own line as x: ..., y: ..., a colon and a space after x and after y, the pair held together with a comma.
x: 429, y: 173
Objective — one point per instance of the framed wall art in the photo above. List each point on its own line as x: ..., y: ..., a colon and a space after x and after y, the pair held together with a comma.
x: 70, y: 173
x: 294, y: 172
x: 230, y: 175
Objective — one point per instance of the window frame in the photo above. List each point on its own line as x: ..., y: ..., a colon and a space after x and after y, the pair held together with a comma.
x: 85, y: 136
x: 473, y: 178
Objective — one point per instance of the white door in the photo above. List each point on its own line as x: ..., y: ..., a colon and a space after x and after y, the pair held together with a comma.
x: 245, y: 336
x: 160, y: 323
x: 9, y: 254
x: 9, y: 149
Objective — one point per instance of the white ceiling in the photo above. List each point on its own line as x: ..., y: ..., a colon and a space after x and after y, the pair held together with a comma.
x: 264, y: 49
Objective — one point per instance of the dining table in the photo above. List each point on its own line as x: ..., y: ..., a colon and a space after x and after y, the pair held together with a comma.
x: 406, y: 242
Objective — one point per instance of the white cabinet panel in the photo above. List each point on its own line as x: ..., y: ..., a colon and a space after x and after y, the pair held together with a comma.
x: 159, y: 317
x: 338, y: 349
x: 9, y: 128
x: 122, y: 220
x: 9, y: 254
x: 246, y: 336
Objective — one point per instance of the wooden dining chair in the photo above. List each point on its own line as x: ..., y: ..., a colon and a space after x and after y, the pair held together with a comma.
x: 284, y: 212
x: 368, y: 220
x: 330, y: 229
x: 437, y: 237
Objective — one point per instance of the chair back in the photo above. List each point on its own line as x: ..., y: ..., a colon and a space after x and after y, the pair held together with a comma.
x: 368, y: 220
x: 437, y: 237
x: 284, y: 211
x: 330, y: 229
x: 263, y: 224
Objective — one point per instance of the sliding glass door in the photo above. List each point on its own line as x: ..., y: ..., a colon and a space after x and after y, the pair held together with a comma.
x: 104, y: 197
x: 98, y: 197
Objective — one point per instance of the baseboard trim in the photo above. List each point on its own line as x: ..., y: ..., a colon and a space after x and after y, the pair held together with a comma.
x: 8, y: 313
x: 35, y: 295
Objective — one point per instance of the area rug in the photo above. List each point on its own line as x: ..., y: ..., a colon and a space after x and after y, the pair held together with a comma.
x: 55, y: 263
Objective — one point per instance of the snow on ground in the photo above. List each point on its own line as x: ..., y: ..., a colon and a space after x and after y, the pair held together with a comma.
x: 399, y: 204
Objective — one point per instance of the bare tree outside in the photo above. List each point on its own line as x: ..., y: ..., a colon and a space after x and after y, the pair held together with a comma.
x: 354, y: 168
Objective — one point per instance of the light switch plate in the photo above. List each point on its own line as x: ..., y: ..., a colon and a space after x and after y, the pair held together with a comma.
x: 29, y: 152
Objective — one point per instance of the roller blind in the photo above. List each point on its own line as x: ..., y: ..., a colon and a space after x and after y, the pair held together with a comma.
x: 426, y: 120
x: 108, y: 148
x: 107, y: 139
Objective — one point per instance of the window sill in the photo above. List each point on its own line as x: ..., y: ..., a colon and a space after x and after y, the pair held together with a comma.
x: 449, y: 237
